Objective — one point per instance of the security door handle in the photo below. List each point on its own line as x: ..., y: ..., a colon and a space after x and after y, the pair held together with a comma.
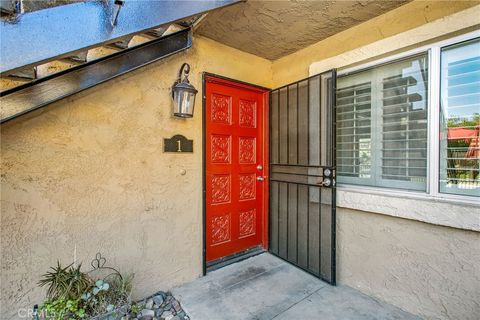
x: 326, y: 182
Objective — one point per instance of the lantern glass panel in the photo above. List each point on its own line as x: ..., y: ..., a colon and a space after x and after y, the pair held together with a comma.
x: 184, y: 103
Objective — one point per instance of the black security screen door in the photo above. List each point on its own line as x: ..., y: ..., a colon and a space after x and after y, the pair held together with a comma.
x: 302, y: 174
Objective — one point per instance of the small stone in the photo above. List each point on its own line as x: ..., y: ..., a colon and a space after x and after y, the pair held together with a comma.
x: 148, y: 312
x: 158, y: 312
x: 167, y: 306
x: 146, y: 318
x: 181, y: 314
x: 176, y: 305
x: 158, y: 299
x: 149, y: 304
x: 166, y: 315
x: 176, y: 318
x: 120, y: 312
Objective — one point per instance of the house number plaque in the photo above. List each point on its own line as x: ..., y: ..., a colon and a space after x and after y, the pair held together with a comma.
x: 177, y: 143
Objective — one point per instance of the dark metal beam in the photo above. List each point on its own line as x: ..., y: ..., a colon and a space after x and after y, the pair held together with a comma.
x: 37, y: 94
x: 43, y: 35
x: 10, y: 7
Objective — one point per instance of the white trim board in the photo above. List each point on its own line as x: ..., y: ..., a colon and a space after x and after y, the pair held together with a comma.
x: 411, y: 206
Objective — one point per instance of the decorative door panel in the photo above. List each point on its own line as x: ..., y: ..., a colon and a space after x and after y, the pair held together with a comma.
x: 235, y: 181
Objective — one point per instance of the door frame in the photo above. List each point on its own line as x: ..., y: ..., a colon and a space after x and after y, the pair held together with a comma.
x: 211, y: 77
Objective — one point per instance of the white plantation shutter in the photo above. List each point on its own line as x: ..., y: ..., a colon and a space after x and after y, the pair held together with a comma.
x: 382, y: 125
x: 460, y: 119
x: 404, y: 127
x: 354, y: 131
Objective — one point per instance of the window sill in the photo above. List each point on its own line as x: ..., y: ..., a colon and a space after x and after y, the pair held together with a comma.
x: 461, y: 214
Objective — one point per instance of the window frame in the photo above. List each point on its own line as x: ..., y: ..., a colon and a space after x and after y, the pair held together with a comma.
x: 433, y: 51
x: 376, y: 137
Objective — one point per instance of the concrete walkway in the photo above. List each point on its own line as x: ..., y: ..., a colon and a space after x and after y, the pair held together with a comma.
x: 265, y: 287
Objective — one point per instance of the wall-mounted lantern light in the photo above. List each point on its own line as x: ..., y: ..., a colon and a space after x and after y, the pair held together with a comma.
x: 183, y: 94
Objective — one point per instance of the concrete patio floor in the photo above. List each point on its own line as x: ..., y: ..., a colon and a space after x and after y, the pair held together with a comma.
x: 266, y: 287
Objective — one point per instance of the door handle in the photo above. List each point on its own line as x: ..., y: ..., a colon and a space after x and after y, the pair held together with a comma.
x: 326, y: 182
x: 260, y: 178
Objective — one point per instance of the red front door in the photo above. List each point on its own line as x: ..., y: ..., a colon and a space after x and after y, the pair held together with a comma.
x: 236, y: 167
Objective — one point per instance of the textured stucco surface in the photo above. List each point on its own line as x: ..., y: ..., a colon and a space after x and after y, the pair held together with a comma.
x: 273, y: 29
x: 411, y: 15
x: 425, y: 269
x: 88, y: 173
x: 442, y: 29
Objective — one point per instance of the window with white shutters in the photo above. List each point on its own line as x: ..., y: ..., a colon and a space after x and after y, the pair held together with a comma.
x: 460, y: 119
x: 382, y: 126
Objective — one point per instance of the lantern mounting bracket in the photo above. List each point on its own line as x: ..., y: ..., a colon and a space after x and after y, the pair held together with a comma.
x: 184, y: 69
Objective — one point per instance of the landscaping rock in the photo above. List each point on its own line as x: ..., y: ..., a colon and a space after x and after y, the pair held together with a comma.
x: 148, y: 312
x: 149, y: 304
x: 158, y: 299
x: 167, y: 315
x: 176, y: 305
x: 158, y: 312
x: 160, y: 306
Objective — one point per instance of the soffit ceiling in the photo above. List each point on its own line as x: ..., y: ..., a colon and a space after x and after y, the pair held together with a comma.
x: 273, y: 29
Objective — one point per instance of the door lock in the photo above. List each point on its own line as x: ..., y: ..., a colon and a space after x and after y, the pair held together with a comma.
x: 260, y: 178
x: 328, y: 178
x: 259, y: 167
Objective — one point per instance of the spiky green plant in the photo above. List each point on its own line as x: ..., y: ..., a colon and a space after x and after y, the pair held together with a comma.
x: 122, y: 288
x: 68, y: 282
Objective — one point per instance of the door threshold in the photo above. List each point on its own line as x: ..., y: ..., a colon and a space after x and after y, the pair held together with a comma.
x: 236, y: 257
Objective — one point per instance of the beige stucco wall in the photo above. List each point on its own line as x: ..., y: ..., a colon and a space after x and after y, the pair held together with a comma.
x: 426, y: 269
x: 88, y: 174
x: 414, y: 14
